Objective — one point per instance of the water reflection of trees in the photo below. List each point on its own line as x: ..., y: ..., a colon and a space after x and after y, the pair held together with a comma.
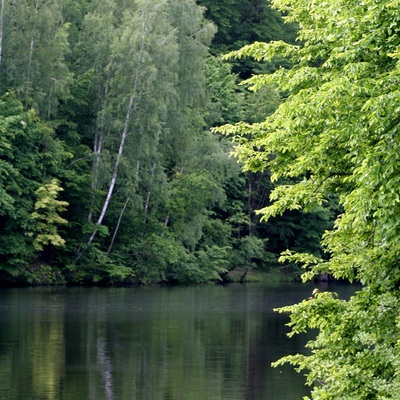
x: 127, y: 344
x: 32, y: 364
x: 203, y: 348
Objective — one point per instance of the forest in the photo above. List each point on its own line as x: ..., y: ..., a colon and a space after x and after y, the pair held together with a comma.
x: 174, y: 141
x: 109, y: 173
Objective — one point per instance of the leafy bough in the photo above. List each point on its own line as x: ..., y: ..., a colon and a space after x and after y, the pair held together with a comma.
x: 336, y: 135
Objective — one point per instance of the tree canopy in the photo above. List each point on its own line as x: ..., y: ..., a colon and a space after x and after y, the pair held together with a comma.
x: 336, y: 135
x: 108, y: 170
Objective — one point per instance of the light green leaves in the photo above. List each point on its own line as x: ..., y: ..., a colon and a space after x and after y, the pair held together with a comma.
x: 47, y: 209
x: 337, y: 134
x: 265, y: 52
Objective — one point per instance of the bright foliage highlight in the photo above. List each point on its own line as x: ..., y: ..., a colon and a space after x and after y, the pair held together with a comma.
x: 337, y: 135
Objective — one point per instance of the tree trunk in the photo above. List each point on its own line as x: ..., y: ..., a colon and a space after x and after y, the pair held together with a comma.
x: 147, y: 203
x: 124, y: 134
x: 32, y: 47
x: 121, y: 214
x: 114, y: 176
x: 98, y: 143
x: 1, y: 31
x: 133, y: 103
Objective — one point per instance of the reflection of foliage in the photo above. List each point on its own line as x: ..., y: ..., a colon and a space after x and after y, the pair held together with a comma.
x: 35, y: 352
x: 184, y: 340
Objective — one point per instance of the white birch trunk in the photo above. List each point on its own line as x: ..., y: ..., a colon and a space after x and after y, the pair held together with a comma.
x: 32, y: 47
x: 116, y: 167
x: 121, y: 214
x: 1, y: 31
x: 98, y: 147
x: 131, y: 107
x: 147, y: 203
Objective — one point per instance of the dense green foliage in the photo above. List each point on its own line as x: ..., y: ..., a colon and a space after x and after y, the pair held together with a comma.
x: 29, y: 155
x: 108, y: 170
x: 336, y: 135
x: 241, y: 22
x: 245, y: 21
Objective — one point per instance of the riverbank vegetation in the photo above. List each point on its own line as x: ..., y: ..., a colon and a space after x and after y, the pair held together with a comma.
x: 116, y: 128
x: 108, y: 171
x: 336, y: 135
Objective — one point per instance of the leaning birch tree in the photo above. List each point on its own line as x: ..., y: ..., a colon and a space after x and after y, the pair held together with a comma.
x: 140, y: 54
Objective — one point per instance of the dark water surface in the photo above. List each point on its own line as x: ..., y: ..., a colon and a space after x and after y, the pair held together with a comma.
x: 175, y: 343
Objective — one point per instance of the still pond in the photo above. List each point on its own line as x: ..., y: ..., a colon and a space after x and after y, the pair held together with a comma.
x: 151, y: 343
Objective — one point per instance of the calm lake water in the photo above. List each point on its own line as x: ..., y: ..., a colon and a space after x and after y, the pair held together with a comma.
x: 174, y: 343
